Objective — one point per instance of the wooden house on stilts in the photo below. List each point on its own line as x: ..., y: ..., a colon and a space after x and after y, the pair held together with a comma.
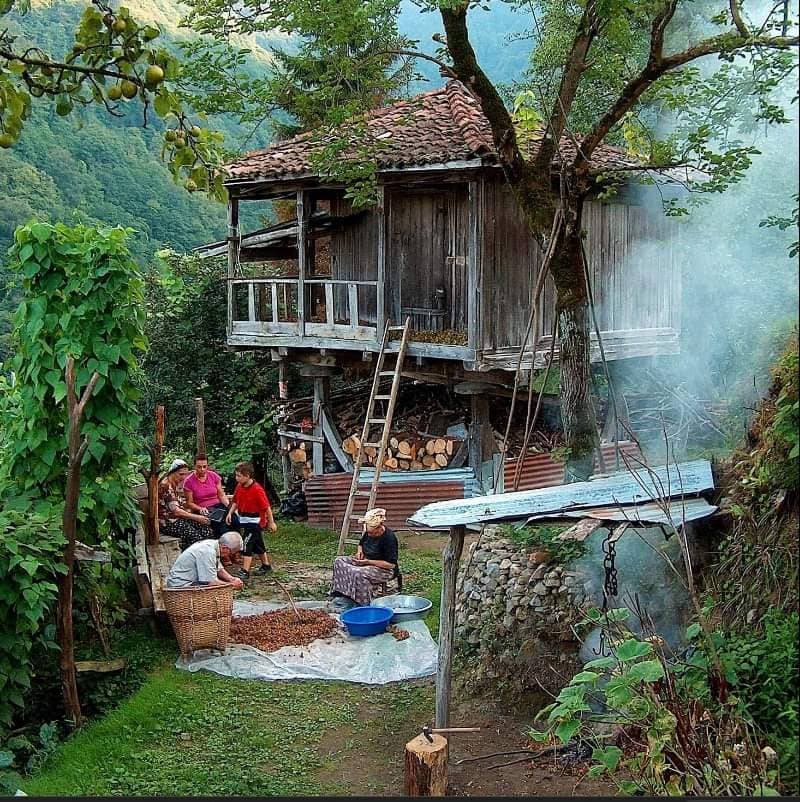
x: 445, y: 246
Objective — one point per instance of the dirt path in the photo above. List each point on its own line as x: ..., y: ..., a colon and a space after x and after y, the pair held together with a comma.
x: 368, y: 759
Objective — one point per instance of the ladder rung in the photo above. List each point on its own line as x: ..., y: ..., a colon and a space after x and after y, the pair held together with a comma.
x: 387, y: 373
x: 370, y: 445
x: 361, y: 493
x: 397, y: 328
x: 351, y: 542
x: 382, y: 398
x: 377, y: 420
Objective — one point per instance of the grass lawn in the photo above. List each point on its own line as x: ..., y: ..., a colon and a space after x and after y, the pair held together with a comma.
x: 200, y: 734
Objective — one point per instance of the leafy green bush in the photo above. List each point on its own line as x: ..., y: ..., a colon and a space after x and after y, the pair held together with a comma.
x: 763, y: 671
x: 83, y: 298
x: 679, y: 728
x: 30, y: 552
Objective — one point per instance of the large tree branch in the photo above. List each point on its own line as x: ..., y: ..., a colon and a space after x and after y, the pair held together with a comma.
x: 738, y: 19
x: 658, y: 65
x: 574, y: 66
x: 469, y: 72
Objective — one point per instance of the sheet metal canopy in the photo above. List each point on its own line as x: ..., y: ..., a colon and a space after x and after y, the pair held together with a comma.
x: 681, y: 510
x: 625, y: 487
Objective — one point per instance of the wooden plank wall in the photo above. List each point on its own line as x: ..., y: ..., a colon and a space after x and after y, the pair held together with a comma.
x: 635, y: 274
x: 354, y: 256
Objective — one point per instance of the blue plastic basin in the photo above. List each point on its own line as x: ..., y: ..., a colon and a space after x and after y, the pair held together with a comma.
x: 365, y: 621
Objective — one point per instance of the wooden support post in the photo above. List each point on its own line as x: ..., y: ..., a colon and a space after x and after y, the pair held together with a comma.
x: 447, y: 622
x: 283, y: 380
x: 426, y: 766
x: 481, y: 437
x: 380, y: 290
x: 302, y: 260
x: 233, y: 255
x: 321, y: 392
x: 473, y: 283
x: 201, y: 428
x: 286, y: 465
x: 152, y: 479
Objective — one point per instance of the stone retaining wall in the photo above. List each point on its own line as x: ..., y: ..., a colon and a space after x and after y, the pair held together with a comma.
x: 514, y: 611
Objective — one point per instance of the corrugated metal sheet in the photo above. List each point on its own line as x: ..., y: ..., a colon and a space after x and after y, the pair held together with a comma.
x: 326, y: 496
x: 687, y: 478
x: 464, y: 475
x: 680, y: 511
x: 541, y: 470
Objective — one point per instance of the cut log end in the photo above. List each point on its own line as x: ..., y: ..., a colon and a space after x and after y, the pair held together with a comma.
x: 426, y: 766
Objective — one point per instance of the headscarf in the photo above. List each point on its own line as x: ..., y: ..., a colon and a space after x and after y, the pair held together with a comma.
x: 373, y: 518
x: 177, y: 464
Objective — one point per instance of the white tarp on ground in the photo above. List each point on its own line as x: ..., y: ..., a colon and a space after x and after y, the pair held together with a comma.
x: 375, y: 660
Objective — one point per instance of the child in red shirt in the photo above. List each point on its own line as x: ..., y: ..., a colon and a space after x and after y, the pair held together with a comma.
x: 254, y: 510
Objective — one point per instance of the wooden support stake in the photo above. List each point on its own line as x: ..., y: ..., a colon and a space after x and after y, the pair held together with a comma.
x: 64, y: 629
x: 152, y: 479
x: 426, y: 766
x: 447, y: 621
x: 201, y: 428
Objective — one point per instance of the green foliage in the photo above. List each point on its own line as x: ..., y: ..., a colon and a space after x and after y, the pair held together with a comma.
x: 30, y: 553
x: 186, y: 326
x: 545, y: 536
x: 684, y: 735
x: 113, y: 59
x: 83, y: 298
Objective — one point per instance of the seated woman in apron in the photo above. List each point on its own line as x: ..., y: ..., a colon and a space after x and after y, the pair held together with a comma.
x: 174, y: 520
x: 375, y: 561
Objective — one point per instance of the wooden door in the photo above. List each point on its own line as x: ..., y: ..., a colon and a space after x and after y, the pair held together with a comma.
x: 426, y: 254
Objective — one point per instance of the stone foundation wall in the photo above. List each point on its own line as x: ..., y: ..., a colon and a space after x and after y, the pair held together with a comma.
x: 514, y: 611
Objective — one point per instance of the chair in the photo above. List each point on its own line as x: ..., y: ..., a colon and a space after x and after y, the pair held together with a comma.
x: 383, y: 587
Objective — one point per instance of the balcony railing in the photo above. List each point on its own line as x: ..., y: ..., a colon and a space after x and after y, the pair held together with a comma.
x: 320, y: 307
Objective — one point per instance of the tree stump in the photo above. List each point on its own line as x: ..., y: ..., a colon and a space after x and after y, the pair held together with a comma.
x: 426, y: 766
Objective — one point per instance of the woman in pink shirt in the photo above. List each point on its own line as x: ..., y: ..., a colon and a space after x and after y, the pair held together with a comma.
x: 204, y: 494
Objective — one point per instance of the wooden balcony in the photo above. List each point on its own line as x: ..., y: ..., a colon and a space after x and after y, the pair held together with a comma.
x: 320, y: 313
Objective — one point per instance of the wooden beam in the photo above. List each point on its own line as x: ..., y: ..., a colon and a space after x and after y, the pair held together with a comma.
x: 152, y: 479
x: 447, y: 623
x: 473, y: 272
x: 286, y: 465
x: 309, y: 438
x: 84, y: 553
x: 103, y: 666
x: 380, y: 297
x: 233, y: 253
x: 334, y: 440
x: 302, y: 259
x: 321, y: 387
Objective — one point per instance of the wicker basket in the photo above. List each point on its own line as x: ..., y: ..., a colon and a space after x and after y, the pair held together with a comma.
x: 200, y: 617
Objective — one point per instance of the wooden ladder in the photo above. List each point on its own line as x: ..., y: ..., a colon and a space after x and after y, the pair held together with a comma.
x: 370, y: 421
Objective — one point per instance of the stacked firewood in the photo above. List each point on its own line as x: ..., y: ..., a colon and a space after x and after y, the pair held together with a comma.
x: 407, y: 452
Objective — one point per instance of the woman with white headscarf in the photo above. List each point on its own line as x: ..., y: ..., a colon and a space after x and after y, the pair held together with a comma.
x: 174, y: 520
x: 375, y: 560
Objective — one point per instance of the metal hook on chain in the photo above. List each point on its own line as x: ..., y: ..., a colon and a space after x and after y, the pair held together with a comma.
x: 610, y: 583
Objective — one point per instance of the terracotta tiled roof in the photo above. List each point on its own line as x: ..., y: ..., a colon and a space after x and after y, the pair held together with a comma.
x: 440, y: 126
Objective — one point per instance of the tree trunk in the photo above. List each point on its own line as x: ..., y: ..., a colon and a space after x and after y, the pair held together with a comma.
x: 572, y: 308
